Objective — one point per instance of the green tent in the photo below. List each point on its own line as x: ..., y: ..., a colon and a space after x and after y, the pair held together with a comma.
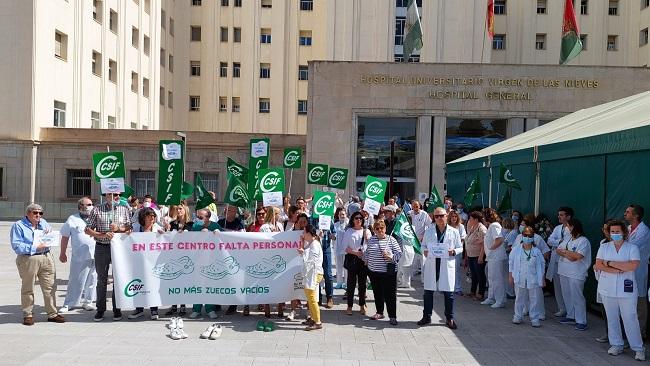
x: 592, y: 160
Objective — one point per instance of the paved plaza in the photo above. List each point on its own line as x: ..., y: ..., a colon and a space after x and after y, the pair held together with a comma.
x: 485, y: 336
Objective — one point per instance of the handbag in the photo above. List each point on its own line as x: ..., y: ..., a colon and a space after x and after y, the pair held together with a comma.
x: 391, y: 267
x: 351, y: 262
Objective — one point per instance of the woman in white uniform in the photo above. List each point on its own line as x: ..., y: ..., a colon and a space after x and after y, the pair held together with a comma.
x: 616, y: 262
x: 495, y: 252
x: 526, y: 267
x: 575, y: 260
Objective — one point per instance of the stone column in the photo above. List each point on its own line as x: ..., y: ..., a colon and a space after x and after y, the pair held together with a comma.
x: 515, y: 127
x: 423, y: 155
x: 439, y: 152
x: 531, y: 123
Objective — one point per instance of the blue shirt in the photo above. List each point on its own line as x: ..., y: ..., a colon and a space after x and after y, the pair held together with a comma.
x: 198, y: 226
x: 22, y: 236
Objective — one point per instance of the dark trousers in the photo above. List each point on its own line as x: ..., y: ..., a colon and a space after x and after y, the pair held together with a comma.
x: 478, y: 275
x: 428, y: 304
x: 384, y: 287
x: 153, y: 308
x: 359, y: 276
x: 102, y: 263
x: 327, y: 275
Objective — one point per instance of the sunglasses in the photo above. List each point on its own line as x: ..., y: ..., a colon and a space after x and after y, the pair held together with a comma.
x: 38, y: 213
x: 358, y: 218
x: 439, y: 216
x: 87, y: 204
x: 200, y: 217
x: 260, y: 214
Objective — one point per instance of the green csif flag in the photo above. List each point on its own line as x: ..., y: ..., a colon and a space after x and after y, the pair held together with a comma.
x: 257, y: 160
x: 404, y: 231
x: 506, y: 202
x: 412, y: 30
x: 292, y: 158
x: 317, y: 174
x: 505, y: 177
x: 271, y: 180
x: 170, y: 172
x: 473, y: 191
x: 435, y: 200
x: 236, y: 194
x: 338, y: 178
x: 203, y: 198
x: 237, y: 170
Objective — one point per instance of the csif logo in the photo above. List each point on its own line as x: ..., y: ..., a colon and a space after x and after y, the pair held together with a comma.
x: 316, y: 173
x: 270, y: 181
x: 238, y: 194
x: 323, y: 204
x: 336, y: 178
x: 406, y: 232
x: 134, y: 287
x: 107, y: 167
x: 373, y: 190
x: 291, y: 158
x: 236, y: 171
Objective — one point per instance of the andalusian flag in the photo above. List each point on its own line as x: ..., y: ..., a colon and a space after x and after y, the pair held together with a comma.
x: 473, y: 191
x: 506, y: 202
x: 404, y: 231
x: 412, y: 30
x: 203, y: 198
x: 434, y: 200
x: 571, y: 44
x: 505, y: 177
x: 490, y: 18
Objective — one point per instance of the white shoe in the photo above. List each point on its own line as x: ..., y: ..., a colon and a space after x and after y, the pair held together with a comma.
x: 560, y: 314
x: 64, y: 309
x: 639, y: 356
x: 498, y: 306
x: 194, y: 315
x: 216, y: 333
x: 208, y: 331
x: 536, y: 323
x: 89, y: 306
x: 179, y: 323
x: 615, y: 350
x: 291, y: 316
x: 516, y: 320
x: 487, y: 302
x: 213, y: 315
x: 175, y: 334
x: 172, y: 323
x: 182, y: 333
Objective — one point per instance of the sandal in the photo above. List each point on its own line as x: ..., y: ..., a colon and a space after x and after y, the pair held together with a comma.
x: 348, y: 311
x: 363, y: 310
x: 377, y: 317
x: 309, y: 321
x: 314, y: 327
x: 247, y: 310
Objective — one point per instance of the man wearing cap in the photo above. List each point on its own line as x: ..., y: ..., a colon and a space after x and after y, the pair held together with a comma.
x: 34, y: 260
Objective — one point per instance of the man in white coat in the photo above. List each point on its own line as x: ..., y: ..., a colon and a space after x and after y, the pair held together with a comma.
x: 420, y: 220
x: 640, y: 237
x: 83, y: 278
x: 560, y: 233
x: 440, y: 245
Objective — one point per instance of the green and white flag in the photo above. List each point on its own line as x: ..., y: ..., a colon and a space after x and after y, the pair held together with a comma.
x: 404, y: 231
x: 236, y: 194
x: 108, y: 165
x: 292, y: 158
x: 258, y: 159
x: 435, y: 200
x: 506, y: 202
x: 473, y: 191
x: 203, y: 198
x: 317, y: 174
x: 412, y: 30
x: 505, y: 177
x: 338, y: 178
x: 236, y: 170
x: 323, y: 204
x: 271, y: 180
x: 170, y: 172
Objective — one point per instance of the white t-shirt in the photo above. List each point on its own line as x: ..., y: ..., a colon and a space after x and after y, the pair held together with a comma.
x: 577, y: 269
x: 268, y: 228
x: 352, y: 239
x: 611, y: 284
x: 493, y: 233
x: 82, y: 245
x: 420, y: 222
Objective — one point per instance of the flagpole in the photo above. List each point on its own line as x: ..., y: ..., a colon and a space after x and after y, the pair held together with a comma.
x: 290, y: 180
x: 498, y: 190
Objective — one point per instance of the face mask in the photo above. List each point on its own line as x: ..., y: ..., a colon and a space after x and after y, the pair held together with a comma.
x: 515, y: 218
x: 521, y: 229
x: 146, y: 204
x: 460, y: 210
x: 87, y: 210
x: 617, y: 237
x: 446, y: 206
x: 528, y: 240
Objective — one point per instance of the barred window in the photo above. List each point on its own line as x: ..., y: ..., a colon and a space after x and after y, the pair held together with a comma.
x: 143, y: 182
x: 78, y: 183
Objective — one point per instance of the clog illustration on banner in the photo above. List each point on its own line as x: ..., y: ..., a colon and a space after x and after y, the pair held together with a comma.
x: 220, y: 268
x: 174, y: 268
x: 267, y: 267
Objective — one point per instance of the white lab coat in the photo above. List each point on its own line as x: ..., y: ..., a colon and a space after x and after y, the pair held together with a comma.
x: 560, y: 233
x: 447, y: 279
x: 532, y: 278
x: 312, y: 264
x: 83, y: 277
x: 640, y: 238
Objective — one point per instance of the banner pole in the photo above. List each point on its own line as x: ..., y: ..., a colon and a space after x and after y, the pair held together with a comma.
x: 290, y: 180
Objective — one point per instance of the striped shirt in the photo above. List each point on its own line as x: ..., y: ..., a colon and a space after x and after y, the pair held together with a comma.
x: 101, y: 217
x: 373, y: 255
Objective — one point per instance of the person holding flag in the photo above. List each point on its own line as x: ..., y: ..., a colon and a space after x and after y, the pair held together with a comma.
x: 410, y: 246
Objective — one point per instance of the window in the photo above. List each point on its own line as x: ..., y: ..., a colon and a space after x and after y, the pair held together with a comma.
x: 236, y: 35
x: 235, y: 104
x: 583, y: 39
x: 195, y: 103
x: 145, y: 127
x: 170, y: 99
x: 224, y: 2
x: 464, y: 136
x: 267, y: 4
x: 146, y: 43
x: 95, y: 120
x: 584, y: 7
x: 98, y: 10
x: 196, y: 2
x: 237, y: 3
x: 143, y: 182
x: 112, y: 21
x: 303, y: 72
x: 59, y: 114
x: 500, y: 7
x: 400, y: 22
x: 499, y: 42
x: 171, y: 27
x: 210, y: 182
x: 97, y: 63
x: 541, y: 6
x: 265, y: 105
x: 224, y: 34
x: 134, y: 125
x: 79, y: 182
x: 265, y: 71
x: 400, y: 58
x: 195, y: 31
x: 61, y: 45
x: 112, y: 71
x: 195, y: 68
x: 613, y: 7
x: 307, y: 5
x: 162, y: 96
x: 163, y: 19
x: 170, y: 64
x: 163, y: 57
x: 643, y: 37
x: 611, y: 43
x: 135, y: 36
x: 645, y: 4
x: 110, y: 123
x: 223, y: 69
x: 145, y: 87
x: 302, y: 107
x: 305, y: 38
x: 265, y: 35
x: 236, y: 69
x: 223, y: 104
x: 540, y: 42
x: 404, y: 3
x: 134, y: 82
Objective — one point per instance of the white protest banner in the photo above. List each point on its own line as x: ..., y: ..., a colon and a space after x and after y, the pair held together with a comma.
x: 272, y: 199
x: 371, y: 206
x: 439, y: 250
x: 112, y: 185
x: 324, y: 222
x: 51, y: 239
x: 234, y: 268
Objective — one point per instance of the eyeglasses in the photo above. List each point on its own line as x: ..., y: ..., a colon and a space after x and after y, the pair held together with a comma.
x: 200, y: 217
x: 87, y: 204
x: 260, y: 214
x: 439, y: 216
x: 358, y: 218
x: 38, y: 213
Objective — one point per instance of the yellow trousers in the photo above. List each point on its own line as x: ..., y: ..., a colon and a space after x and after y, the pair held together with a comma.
x: 39, y: 267
x: 312, y: 301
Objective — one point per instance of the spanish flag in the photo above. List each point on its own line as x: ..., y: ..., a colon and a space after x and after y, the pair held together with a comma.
x: 490, y: 18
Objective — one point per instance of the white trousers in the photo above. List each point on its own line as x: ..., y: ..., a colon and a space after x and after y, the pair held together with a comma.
x: 459, y: 270
x: 341, y: 272
x: 81, y: 283
x: 557, y: 288
x: 497, y: 281
x: 510, y: 289
x: 574, y: 299
x: 533, y: 299
x: 622, y: 307
x: 404, y: 274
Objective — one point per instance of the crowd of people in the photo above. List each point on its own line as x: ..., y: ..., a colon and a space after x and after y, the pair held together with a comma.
x: 513, y: 257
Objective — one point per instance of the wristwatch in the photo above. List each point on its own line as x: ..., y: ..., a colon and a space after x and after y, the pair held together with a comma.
x: 607, y: 263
